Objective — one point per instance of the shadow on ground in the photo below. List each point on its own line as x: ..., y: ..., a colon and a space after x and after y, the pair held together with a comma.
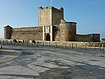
x: 74, y: 72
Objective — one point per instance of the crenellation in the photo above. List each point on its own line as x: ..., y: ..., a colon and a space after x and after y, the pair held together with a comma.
x: 61, y: 9
x: 40, y: 7
x: 28, y: 29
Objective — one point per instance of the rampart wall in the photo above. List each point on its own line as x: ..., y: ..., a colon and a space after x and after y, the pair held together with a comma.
x: 28, y: 33
x: 56, y: 33
x: 88, y: 38
x: 57, y: 15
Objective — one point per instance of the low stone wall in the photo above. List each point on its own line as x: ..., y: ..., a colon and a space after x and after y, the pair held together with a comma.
x: 74, y: 44
x: 95, y: 45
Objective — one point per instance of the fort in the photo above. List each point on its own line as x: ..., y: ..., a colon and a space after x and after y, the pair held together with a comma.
x: 51, y: 27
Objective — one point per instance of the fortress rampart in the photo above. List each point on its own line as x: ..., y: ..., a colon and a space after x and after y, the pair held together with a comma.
x: 68, y: 31
x: 51, y: 27
x: 28, y: 33
x: 31, y: 33
x: 37, y: 29
x: 88, y: 38
x: 7, y: 32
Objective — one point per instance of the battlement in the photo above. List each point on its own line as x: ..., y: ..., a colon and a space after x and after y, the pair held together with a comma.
x: 39, y: 29
x: 8, y: 26
x: 51, y: 27
x: 27, y: 33
x: 51, y: 7
x: 50, y: 16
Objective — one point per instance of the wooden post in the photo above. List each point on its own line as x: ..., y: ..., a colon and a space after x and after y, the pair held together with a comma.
x: 94, y: 46
x: 56, y: 44
x: 43, y: 43
x: 1, y: 46
x: 72, y: 45
x: 37, y: 44
x: 49, y: 44
x: 64, y: 45
x: 102, y: 46
x: 99, y: 47
x: 76, y: 45
x: 85, y: 46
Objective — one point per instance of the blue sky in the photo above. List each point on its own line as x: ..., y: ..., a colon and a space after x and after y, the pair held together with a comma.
x: 89, y: 14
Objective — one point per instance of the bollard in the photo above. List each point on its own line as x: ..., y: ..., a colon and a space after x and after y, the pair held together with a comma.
x: 76, y: 45
x: 85, y: 46
x: 22, y: 44
x: 72, y: 45
x: 94, y: 46
x: 56, y: 44
x: 43, y: 43
x: 65, y: 45
x: 99, y: 47
x: 49, y: 44
x: 102, y: 46
x: 37, y: 44
x: 32, y: 44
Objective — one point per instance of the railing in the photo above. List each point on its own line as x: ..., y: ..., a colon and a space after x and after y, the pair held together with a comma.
x: 57, y: 44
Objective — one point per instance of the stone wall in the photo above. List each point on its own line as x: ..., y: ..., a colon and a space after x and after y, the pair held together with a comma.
x: 50, y: 16
x: 56, y: 33
x: 44, y: 16
x: 68, y: 31
x: 7, y: 32
x: 88, y: 38
x: 57, y: 16
x: 30, y: 33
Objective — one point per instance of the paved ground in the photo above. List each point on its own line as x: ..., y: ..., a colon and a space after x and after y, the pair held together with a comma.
x: 17, y: 62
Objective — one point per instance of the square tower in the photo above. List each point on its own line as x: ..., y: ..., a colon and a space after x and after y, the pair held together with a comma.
x: 50, y: 16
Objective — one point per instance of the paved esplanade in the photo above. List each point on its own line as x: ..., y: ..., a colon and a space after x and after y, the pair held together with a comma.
x: 18, y: 62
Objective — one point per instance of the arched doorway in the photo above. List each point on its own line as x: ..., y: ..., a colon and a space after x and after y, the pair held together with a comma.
x: 47, y: 37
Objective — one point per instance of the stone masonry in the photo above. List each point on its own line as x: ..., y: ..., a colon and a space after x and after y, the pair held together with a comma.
x: 51, y: 27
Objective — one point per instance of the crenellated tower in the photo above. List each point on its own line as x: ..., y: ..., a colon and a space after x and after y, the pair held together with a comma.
x: 8, y: 32
x: 50, y: 16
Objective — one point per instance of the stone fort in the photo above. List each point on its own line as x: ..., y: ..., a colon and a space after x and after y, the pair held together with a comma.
x: 51, y: 27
